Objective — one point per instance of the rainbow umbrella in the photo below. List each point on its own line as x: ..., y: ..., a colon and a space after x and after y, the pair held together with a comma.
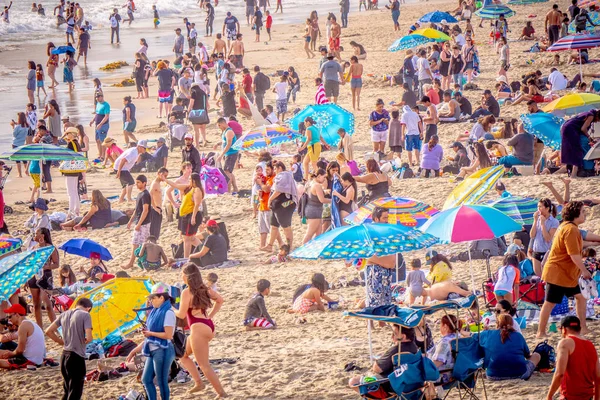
x: 576, y: 42
x: 114, y: 303
x: 328, y: 119
x: 544, y: 126
x: 572, y: 104
x: 494, y: 11
x: 467, y: 223
x: 17, y: 269
x: 473, y: 188
x: 264, y: 137
x: 437, y: 17
x: 404, y: 211
x: 8, y: 244
x: 409, y: 42
x: 594, y: 16
x: 587, y: 3
x: 434, y: 34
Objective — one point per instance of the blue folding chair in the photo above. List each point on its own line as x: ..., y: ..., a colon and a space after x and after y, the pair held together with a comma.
x: 468, y: 369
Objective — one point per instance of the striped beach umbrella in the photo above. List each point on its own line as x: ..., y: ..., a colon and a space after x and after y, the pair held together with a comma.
x: 520, y: 209
x: 437, y: 17
x: 409, y: 42
x: 494, y: 11
x: 264, y: 137
x: 43, y: 152
x: 576, y: 42
x: 474, y: 187
x: 403, y: 211
x: 572, y: 104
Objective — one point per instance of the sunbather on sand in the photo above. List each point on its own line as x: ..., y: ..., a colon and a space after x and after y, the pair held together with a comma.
x: 440, y: 291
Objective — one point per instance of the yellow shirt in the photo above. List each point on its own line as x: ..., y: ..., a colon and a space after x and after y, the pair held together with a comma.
x: 439, y: 273
x: 559, y: 268
x: 187, y: 204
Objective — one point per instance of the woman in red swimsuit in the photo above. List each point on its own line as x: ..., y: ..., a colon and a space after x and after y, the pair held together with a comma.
x: 196, y: 301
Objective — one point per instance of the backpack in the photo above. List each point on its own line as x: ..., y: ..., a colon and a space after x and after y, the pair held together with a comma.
x: 547, y: 355
x: 262, y: 82
x: 114, y: 22
x: 122, y: 349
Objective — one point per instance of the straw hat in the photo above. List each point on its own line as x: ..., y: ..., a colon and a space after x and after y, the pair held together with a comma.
x: 108, y: 141
x: 501, y: 78
x: 72, y: 130
x: 409, y: 53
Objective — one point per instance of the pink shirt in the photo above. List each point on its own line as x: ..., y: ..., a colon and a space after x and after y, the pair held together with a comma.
x: 113, y: 150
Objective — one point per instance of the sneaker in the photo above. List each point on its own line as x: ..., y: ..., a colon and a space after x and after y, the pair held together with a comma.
x: 182, y: 377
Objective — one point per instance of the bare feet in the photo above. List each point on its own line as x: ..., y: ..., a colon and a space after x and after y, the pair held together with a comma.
x: 541, y: 335
x: 566, y: 181
x: 547, y: 184
x: 198, y: 387
x: 268, y: 249
x: 221, y: 396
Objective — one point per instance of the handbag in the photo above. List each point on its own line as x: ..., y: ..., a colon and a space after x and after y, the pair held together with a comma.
x: 179, y: 339
x: 74, y: 166
x: 198, y: 117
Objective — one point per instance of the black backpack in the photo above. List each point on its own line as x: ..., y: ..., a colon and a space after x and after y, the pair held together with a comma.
x: 262, y: 82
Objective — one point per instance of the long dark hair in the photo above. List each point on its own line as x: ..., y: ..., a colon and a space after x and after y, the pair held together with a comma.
x: 22, y: 119
x: 452, y: 323
x: 330, y: 166
x: 195, y: 178
x: 49, y: 48
x: 200, y: 298
x: 54, y: 105
x: 440, y: 257
x: 71, y: 278
x: 347, y: 176
x: 45, y: 232
x: 546, y: 202
x: 482, y: 155
x: 505, y: 304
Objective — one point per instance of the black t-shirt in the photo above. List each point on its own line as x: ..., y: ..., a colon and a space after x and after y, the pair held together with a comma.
x: 140, y: 66
x: 409, y: 98
x: 465, y: 106
x: 131, y: 107
x: 258, y: 15
x: 143, y: 198
x: 386, y: 364
x: 228, y: 99
x: 493, y: 106
x: 199, y: 97
x: 165, y: 80
x: 218, y: 247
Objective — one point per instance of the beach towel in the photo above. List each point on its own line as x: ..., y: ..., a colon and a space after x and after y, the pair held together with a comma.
x: 213, y: 181
x: 336, y: 218
x: 320, y: 97
x: 284, y: 183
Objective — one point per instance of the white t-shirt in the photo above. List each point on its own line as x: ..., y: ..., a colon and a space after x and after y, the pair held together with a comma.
x: 423, y: 67
x: 130, y: 155
x: 557, y: 80
x: 193, y: 33
x: 460, y: 40
x: 411, y: 120
x: 281, y: 90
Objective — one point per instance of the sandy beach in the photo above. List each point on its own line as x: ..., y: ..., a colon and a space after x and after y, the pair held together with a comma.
x: 295, y: 361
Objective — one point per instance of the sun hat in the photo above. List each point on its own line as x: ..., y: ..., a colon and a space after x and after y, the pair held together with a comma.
x: 40, y: 203
x: 160, y: 288
x: 501, y: 78
x: 108, y: 141
x: 72, y: 130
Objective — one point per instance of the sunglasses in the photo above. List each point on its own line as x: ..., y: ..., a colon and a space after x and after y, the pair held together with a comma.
x: 498, y: 311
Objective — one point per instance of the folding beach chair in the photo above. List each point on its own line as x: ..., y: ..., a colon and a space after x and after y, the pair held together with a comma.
x: 468, y: 369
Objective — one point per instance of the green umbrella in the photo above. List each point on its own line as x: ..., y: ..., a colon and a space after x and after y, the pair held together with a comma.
x: 44, y: 152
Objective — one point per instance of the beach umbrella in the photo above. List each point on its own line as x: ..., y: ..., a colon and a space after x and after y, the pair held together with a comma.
x: 437, y: 17
x: 594, y: 16
x: 520, y: 209
x: 114, y: 303
x: 467, y: 223
x: 587, y: 3
x: 63, y: 50
x: 525, y: 2
x: 404, y: 211
x: 431, y: 33
x: 545, y: 126
x: 409, y: 42
x: 572, y: 104
x: 363, y: 241
x: 264, y: 137
x: 17, y: 269
x: 593, y: 153
x: 8, y: 245
x: 43, y: 152
x: 474, y: 187
x: 328, y: 119
x: 85, y: 247
x: 576, y: 42
x: 494, y: 11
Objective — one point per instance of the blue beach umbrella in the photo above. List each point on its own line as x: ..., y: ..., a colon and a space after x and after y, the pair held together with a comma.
x: 328, y: 119
x: 494, y: 11
x: 437, y: 17
x: 409, y: 42
x: 544, y: 126
x: 17, y: 269
x: 63, y: 49
x: 85, y: 247
x: 520, y: 209
x: 363, y: 241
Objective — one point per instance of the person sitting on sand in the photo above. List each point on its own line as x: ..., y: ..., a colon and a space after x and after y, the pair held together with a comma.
x: 528, y: 33
x: 97, y: 217
x: 39, y: 218
x: 98, y: 271
x: 506, y: 352
x: 496, y: 149
x: 446, y: 290
x: 309, y: 298
x: 112, y: 152
x: 384, y: 365
x: 257, y: 316
x: 482, y: 160
x: 441, y: 269
x: 31, y: 346
x: 281, y: 257
x: 214, y: 249
x: 449, y: 110
x: 151, y: 254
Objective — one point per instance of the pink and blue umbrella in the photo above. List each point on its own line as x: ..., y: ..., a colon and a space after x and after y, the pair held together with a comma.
x: 17, y: 269
x: 328, y: 119
x: 363, y: 241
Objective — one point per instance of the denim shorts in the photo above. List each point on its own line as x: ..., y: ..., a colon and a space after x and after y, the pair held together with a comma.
x: 129, y: 126
x: 356, y: 83
x: 102, y: 132
x: 413, y: 142
x: 469, y: 65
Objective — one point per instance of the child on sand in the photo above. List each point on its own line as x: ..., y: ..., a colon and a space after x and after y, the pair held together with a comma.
x: 414, y: 282
x: 508, y: 279
x: 269, y: 23
x: 280, y: 257
x: 211, y: 281
x: 39, y: 79
x: 34, y: 172
x: 151, y: 254
x: 257, y: 316
x: 309, y: 298
x: 296, y: 168
x: 156, y: 17
x: 395, y: 134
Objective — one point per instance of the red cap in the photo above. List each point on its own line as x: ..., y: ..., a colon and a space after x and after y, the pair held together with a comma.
x: 16, y: 309
x: 95, y: 255
x: 211, y: 223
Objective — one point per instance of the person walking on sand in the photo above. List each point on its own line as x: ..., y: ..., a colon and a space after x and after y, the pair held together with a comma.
x: 51, y: 64
x: 334, y: 39
x: 178, y: 44
x: 231, y: 27
x: 75, y: 335
x: 237, y: 48
x: 308, y: 39
x: 101, y: 120
x: 332, y: 73
x: 229, y: 156
x: 564, y: 266
x: 552, y: 24
x: 196, y: 305
x: 210, y: 18
x: 83, y: 45
x: 355, y: 72
x: 258, y: 22
x: 279, y: 6
x: 115, y: 21
x: 141, y: 218
x: 156, y: 195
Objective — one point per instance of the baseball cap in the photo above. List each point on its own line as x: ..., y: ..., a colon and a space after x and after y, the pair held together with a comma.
x: 15, y: 309
x: 455, y: 144
x: 161, y: 140
x: 189, y: 136
x: 142, y: 143
x: 212, y: 223
x: 571, y: 322
x: 160, y: 288
x: 513, y: 250
x: 429, y: 255
x: 93, y: 254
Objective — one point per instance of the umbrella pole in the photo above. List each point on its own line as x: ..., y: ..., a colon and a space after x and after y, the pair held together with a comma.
x: 471, y: 267
x: 580, y: 67
x: 369, y: 323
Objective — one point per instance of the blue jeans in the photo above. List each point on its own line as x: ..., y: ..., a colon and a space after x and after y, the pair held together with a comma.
x: 510, y: 161
x: 480, y: 112
x: 410, y: 81
x: 395, y: 16
x: 458, y: 79
x: 159, y: 365
x: 292, y: 90
x: 345, y: 19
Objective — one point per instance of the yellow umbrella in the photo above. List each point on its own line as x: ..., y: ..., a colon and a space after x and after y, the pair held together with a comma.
x: 572, y: 104
x: 473, y: 188
x: 114, y: 302
x: 431, y: 33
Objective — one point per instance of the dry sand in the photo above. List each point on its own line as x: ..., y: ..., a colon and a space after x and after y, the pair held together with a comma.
x: 300, y: 361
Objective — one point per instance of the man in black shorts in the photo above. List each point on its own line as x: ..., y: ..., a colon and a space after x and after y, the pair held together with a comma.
x: 229, y: 156
x: 123, y: 166
x: 564, y: 266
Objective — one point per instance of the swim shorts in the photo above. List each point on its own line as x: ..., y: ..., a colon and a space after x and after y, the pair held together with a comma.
x: 231, y: 34
x: 314, y: 152
x: 138, y: 238
x: 334, y: 44
x: 332, y: 88
x: 129, y: 126
x: 36, y: 180
x: 379, y: 136
x: 102, y: 132
x: 413, y: 143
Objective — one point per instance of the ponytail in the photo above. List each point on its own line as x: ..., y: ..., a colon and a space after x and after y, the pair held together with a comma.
x: 505, y: 325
